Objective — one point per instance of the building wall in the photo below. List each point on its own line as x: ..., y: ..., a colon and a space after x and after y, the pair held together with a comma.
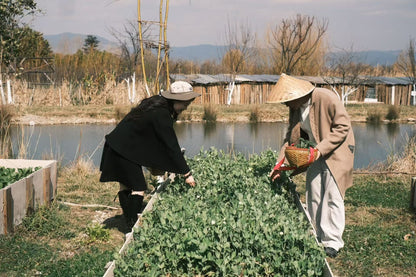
x: 257, y: 93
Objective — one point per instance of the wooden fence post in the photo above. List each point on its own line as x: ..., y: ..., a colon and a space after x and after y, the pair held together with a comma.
x: 413, y: 194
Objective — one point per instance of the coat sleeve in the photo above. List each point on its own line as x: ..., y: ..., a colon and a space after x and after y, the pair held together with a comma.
x: 163, y: 125
x: 333, y: 111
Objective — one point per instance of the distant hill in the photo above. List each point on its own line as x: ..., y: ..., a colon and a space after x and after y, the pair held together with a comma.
x: 69, y: 43
x: 375, y: 58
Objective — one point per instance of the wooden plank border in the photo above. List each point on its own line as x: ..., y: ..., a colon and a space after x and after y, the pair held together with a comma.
x: 7, y: 210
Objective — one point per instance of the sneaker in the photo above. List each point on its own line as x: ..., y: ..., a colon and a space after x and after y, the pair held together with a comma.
x: 331, y: 252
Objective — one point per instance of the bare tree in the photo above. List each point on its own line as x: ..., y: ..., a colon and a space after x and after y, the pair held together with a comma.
x: 129, y: 43
x: 294, y: 41
x: 406, y: 63
x: 343, y: 73
x: 240, y: 48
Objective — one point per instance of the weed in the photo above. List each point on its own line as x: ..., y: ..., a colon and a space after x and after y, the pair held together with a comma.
x: 210, y: 113
x: 96, y: 232
x: 6, y: 115
x: 374, y: 116
x: 120, y: 113
x: 402, y: 162
x: 46, y: 220
x: 254, y: 114
x: 393, y: 113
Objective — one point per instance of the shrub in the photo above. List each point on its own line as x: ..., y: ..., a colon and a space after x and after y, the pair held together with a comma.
x: 210, y: 113
x: 393, y: 113
x: 374, y: 116
x: 254, y: 114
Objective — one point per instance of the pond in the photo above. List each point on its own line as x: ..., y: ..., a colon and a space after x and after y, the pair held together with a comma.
x: 66, y: 142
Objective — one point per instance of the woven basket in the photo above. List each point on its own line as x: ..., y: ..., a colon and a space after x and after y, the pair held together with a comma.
x: 300, y: 157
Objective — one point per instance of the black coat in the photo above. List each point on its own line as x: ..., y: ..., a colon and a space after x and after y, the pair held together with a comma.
x: 149, y: 141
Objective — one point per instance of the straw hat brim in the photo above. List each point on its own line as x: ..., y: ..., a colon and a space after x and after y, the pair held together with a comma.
x: 183, y: 96
x: 289, y: 88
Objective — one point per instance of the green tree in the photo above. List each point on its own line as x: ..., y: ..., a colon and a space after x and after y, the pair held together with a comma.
x: 90, y: 44
x: 11, y: 31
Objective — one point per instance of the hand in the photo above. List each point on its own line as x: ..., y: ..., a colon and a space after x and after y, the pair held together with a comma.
x: 318, y: 154
x: 274, y: 174
x: 190, y: 181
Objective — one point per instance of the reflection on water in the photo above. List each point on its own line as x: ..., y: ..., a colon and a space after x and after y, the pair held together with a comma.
x: 64, y: 142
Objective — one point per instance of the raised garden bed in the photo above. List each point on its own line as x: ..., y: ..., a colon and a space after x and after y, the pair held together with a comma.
x: 27, y: 194
x: 233, y: 223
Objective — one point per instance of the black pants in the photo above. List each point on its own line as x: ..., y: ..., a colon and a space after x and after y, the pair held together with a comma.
x: 115, y: 168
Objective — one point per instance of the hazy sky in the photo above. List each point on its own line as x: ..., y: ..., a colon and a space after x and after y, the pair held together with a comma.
x: 360, y: 24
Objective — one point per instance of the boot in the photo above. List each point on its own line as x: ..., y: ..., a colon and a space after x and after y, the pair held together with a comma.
x: 134, y: 207
x: 123, y: 199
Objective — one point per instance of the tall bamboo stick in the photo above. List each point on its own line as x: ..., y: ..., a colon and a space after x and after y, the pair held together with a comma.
x: 165, y: 25
x: 159, y: 46
x: 141, y: 47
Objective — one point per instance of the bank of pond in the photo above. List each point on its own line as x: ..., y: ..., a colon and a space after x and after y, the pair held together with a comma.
x: 66, y: 143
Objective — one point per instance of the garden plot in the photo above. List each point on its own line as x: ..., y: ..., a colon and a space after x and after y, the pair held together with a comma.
x: 234, y: 222
x: 27, y: 194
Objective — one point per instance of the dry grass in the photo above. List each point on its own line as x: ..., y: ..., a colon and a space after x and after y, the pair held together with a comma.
x: 68, y: 94
x: 402, y: 162
x: 6, y: 116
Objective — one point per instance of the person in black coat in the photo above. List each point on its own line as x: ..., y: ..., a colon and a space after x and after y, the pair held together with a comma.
x: 145, y: 137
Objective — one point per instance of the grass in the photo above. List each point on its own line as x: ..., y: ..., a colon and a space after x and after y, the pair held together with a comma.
x: 380, y: 235
x: 198, y: 112
x: 380, y: 232
x: 63, y: 240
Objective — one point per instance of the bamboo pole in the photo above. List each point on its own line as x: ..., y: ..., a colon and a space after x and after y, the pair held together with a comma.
x: 159, y: 46
x: 141, y: 47
x: 413, y: 194
x: 165, y: 25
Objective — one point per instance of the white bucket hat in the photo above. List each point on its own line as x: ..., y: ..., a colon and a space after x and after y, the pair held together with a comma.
x: 180, y: 90
x: 289, y: 88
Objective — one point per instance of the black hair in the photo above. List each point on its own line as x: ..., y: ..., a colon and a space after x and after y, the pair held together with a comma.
x: 151, y: 103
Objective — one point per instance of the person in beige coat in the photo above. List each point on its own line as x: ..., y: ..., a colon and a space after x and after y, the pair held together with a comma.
x: 317, y: 114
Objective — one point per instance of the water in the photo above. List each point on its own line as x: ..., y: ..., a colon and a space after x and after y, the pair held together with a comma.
x: 66, y: 142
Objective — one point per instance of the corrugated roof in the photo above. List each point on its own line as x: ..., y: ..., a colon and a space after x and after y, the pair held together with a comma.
x: 206, y: 79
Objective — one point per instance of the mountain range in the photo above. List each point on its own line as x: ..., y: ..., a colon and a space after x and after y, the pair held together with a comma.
x: 69, y: 43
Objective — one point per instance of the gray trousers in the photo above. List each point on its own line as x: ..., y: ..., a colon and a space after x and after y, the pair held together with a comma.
x: 325, y: 205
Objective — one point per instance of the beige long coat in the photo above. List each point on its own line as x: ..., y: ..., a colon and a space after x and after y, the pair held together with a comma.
x: 331, y: 128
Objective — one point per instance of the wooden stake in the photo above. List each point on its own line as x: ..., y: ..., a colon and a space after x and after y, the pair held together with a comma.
x: 7, y: 210
x: 30, y: 199
x: 413, y: 194
x: 47, y: 186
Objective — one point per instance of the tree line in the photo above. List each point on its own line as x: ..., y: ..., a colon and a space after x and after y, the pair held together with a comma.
x: 295, y: 46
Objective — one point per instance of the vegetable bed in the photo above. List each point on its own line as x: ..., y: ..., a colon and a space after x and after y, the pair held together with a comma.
x: 10, y: 175
x: 25, y: 185
x: 233, y: 223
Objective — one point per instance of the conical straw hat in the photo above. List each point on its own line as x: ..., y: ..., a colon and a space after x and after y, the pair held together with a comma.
x: 289, y: 88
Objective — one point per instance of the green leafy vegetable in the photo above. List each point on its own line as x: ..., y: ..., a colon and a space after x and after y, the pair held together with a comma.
x: 10, y: 175
x: 232, y: 223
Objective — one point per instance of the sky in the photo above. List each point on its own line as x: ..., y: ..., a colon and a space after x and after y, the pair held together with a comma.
x: 361, y: 25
